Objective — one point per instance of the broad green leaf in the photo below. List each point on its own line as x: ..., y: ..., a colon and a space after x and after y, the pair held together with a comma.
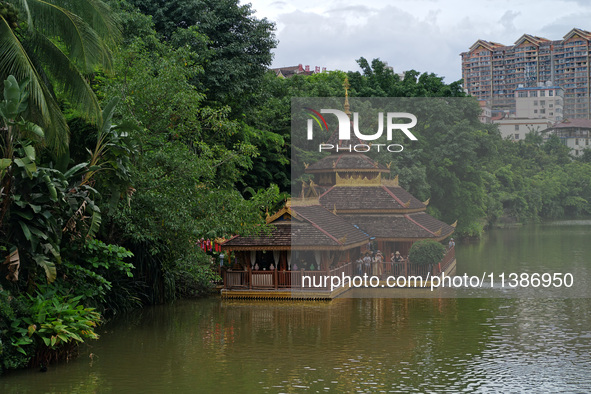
x: 19, y: 162
x: 74, y: 169
x: 29, y: 166
x: 76, y: 337
x: 38, y: 233
x: 30, y: 152
x: 5, y: 163
x: 26, y: 230
x: 32, y: 128
x: 50, y: 187
x: 25, y: 214
x: 94, y: 224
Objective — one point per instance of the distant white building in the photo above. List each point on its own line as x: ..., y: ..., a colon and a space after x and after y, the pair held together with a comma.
x: 516, y: 128
x: 536, y: 109
x: 542, y: 102
x: 574, y: 133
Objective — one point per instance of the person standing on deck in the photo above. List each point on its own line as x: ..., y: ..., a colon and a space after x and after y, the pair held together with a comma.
x: 379, y: 260
x: 451, y: 243
x: 367, y: 264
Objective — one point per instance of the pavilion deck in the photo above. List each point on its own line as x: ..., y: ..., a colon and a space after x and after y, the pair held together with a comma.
x: 304, y: 284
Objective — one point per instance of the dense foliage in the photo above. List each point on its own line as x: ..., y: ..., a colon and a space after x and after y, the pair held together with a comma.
x: 110, y: 216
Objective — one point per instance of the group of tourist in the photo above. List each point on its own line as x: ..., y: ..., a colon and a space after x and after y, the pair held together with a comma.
x: 294, y: 267
x: 372, y: 263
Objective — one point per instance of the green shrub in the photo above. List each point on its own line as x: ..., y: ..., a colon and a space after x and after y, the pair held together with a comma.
x: 52, y: 328
x: 11, y: 309
x: 98, y: 272
x: 426, y: 252
x: 193, y: 275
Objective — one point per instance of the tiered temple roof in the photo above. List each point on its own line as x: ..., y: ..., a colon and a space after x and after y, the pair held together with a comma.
x: 346, y: 162
x: 383, y: 209
x: 402, y: 228
x: 362, y: 195
x: 306, y: 227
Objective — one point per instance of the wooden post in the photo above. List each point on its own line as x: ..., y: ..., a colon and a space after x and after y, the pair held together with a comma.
x: 275, y: 277
x: 249, y: 277
x: 406, y: 267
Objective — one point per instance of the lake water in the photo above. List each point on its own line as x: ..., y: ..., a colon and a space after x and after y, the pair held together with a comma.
x: 508, y: 343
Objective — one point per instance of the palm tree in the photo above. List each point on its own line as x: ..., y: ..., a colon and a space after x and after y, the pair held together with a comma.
x: 54, y: 44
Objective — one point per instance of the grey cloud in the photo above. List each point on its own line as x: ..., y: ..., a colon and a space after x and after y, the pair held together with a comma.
x: 558, y: 28
x: 583, y: 3
x: 391, y: 34
x: 360, y: 9
x: 508, y: 18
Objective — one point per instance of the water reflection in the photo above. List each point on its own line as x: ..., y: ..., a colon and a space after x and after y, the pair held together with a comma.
x: 347, y: 345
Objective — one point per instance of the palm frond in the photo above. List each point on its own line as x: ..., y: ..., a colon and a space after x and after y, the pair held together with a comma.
x: 98, y: 15
x: 82, y: 42
x: 44, y: 110
x: 64, y: 72
x: 14, y: 60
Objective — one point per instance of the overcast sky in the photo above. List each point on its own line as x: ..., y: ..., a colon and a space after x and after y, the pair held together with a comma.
x: 425, y: 35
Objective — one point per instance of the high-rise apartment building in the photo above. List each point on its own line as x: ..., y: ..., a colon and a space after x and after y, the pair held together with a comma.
x: 493, y: 72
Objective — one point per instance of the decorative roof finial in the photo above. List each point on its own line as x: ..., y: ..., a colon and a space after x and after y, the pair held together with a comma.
x: 346, y: 85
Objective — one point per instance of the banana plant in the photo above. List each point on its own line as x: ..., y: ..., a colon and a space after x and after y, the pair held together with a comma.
x: 46, y: 208
x: 16, y: 127
x: 13, y: 129
x: 39, y: 204
x: 112, y: 155
x: 19, y: 157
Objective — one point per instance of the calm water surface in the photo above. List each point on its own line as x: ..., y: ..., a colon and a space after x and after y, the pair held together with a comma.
x: 522, y: 343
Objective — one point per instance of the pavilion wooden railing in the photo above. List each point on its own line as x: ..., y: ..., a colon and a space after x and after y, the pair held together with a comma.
x: 444, y: 264
x: 236, y: 279
x: 263, y: 279
x: 285, y: 279
x: 247, y: 279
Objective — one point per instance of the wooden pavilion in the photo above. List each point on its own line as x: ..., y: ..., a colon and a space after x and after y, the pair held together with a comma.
x: 348, y: 210
x: 328, y: 229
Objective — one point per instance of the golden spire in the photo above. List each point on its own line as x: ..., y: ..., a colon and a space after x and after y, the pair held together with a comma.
x: 346, y: 85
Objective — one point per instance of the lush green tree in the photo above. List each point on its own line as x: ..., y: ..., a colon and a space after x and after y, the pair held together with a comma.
x: 557, y: 150
x: 185, y: 174
x: 586, y: 156
x: 238, y: 45
x: 40, y: 205
x: 379, y: 80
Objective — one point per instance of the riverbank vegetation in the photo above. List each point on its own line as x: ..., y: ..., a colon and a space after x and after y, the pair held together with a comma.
x: 160, y: 126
